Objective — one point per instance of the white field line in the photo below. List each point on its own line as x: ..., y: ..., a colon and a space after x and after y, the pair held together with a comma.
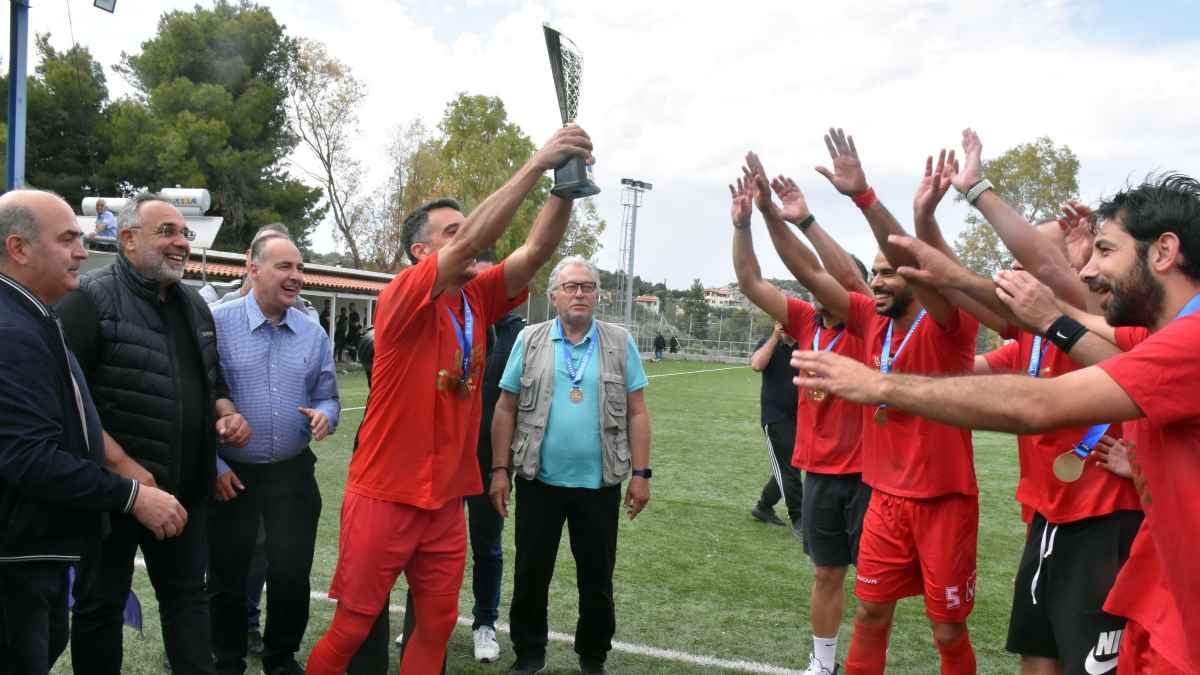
x: 687, y: 372
x: 693, y: 372
x: 625, y: 647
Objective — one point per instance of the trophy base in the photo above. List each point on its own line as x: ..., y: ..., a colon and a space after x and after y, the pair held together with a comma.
x: 573, y: 180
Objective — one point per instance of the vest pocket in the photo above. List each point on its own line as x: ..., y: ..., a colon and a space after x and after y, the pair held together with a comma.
x: 529, y: 394
x: 519, y: 446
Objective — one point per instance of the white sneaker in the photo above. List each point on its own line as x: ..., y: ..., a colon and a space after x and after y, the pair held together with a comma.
x: 486, y: 648
x: 815, y: 667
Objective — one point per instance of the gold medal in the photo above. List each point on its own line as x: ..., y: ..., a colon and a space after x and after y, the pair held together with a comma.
x: 1068, y: 467
x: 814, y: 394
x: 881, y: 416
x: 443, y: 379
x: 463, y: 390
x: 576, y: 395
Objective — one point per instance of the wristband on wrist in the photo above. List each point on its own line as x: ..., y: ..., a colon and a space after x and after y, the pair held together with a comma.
x: 977, y: 190
x: 506, y: 469
x: 807, y: 222
x: 865, y: 199
x: 1065, y: 332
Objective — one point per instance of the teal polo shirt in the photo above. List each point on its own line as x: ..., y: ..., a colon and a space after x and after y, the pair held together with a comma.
x: 572, y: 454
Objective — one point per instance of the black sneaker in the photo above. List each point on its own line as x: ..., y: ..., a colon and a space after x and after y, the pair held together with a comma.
x: 528, y: 666
x: 254, y: 643
x: 766, y: 516
x: 592, y: 667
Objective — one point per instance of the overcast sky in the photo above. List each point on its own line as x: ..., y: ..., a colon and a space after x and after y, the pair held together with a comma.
x: 675, y: 92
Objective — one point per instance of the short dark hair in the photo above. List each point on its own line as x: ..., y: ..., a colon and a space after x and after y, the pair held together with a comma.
x: 417, y: 220
x: 1168, y: 202
x: 862, y: 269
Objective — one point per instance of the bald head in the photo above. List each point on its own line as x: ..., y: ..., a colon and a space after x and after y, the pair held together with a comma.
x: 42, y: 243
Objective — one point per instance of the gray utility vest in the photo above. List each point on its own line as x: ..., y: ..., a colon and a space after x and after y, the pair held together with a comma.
x: 537, y: 392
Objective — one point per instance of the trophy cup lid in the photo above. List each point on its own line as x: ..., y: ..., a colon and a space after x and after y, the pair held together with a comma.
x: 566, y: 66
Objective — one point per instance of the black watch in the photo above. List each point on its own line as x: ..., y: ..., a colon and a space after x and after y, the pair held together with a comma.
x: 642, y: 473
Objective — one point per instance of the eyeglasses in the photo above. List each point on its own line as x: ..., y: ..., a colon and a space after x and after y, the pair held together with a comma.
x: 169, y: 231
x: 572, y: 287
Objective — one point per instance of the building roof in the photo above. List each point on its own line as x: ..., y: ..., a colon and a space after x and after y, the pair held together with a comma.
x: 312, y: 280
x: 646, y: 298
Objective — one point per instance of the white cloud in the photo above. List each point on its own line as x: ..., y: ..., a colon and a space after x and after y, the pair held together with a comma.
x: 675, y: 93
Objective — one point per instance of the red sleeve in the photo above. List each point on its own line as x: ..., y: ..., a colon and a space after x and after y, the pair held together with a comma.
x: 1161, y: 373
x: 407, y: 292
x: 488, y: 295
x: 963, y: 326
x: 801, y: 321
x: 860, y: 315
x: 1004, y: 359
x: 1011, y: 332
x: 1129, y: 337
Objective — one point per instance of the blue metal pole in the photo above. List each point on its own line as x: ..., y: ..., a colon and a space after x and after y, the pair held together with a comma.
x: 18, y: 57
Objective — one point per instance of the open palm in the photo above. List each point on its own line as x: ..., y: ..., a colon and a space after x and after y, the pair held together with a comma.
x: 795, y: 207
x: 847, y: 175
x: 972, y: 170
x: 934, y: 184
x: 741, y: 203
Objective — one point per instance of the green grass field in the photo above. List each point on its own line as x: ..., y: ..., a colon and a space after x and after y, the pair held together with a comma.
x: 695, y: 574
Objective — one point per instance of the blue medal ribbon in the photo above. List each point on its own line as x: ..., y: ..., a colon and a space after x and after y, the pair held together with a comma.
x: 1040, y: 344
x: 817, y: 339
x: 575, y: 375
x: 885, y: 359
x: 465, y: 332
x: 1192, y: 307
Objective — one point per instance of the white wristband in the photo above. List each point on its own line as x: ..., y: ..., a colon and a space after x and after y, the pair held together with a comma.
x: 978, y: 189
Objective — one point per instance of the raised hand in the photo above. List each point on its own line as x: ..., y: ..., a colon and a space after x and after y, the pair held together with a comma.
x: 1031, y: 301
x: 569, y: 141
x: 934, y: 184
x: 741, y: 203
x: 847, y: 175
x: 972, y: 170
x: 936, y: 269
x: 795, y: 208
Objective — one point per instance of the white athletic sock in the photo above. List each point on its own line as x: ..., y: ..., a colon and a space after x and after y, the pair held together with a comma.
x: 825, y: 651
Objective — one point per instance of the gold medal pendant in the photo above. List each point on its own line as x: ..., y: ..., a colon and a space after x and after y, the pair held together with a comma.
x: 463, y: 391
x: 813, y: 394
x: 1068, y: 467
x: 443, y: 379
x: 576, y: 395
x: 881, y: 416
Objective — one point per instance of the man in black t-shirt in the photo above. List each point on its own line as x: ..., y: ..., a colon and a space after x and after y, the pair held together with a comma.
x: 779, y: 399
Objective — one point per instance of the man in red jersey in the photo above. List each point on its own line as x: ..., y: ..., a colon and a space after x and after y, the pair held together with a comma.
x: 827, y: 444
x: 403, y: 510
x: 922, y: 522
x: 1146, y: 267
x: 1080, y: 531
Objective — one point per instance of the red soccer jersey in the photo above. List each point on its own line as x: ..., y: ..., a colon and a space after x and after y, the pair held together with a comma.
x: 1161, y: 375
x: 828, y: 429
x: 911, y: 456
x: 1098, y: 492
x: 417, y: 443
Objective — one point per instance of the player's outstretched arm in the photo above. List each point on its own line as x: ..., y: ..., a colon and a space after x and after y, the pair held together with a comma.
x: 834, y: 258
x: 543, y: 240
x: 1037, y: 308
x: 745, y: 262
x: 849, y: 179
x: 799, y: 260
x: 488, y: 221
x: 966, y: 289
x: 1047, y: 263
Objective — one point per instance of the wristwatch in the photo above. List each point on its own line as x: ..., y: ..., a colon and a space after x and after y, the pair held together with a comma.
x: 642, y: 473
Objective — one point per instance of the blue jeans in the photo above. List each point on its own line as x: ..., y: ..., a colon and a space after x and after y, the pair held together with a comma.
x: 485, y: 527
x: 658, y: 355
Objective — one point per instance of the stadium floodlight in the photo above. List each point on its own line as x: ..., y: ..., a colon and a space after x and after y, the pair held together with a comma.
x: 631, y: 199
x: 109, y: 6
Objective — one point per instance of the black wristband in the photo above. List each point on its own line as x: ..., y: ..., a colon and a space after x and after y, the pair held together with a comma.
x: 807, y: 222
x: 1065, y: 332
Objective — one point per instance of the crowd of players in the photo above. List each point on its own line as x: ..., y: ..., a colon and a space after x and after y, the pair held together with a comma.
x: 1095, y: 378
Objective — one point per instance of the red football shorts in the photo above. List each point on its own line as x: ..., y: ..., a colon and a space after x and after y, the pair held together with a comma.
x: 1137, y: 657
x: 381, y: 539
x: 920, y: 546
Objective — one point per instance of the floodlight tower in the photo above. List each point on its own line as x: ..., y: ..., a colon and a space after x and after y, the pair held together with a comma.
x: 631, y: 199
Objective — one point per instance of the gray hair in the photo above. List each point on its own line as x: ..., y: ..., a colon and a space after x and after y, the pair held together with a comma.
x: 260, y: 242
x: 571, y: 261
x: 129, y: 214
x: 18, y: 219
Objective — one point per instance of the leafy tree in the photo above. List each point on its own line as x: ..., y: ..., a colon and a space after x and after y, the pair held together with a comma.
x: 210, y: 112
x: 67, y: 128
x: 1035, y: 178
x: 697, y: 310
x: 323, y: 102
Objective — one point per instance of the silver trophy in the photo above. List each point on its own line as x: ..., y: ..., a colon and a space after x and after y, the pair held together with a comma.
x: 572, y: 180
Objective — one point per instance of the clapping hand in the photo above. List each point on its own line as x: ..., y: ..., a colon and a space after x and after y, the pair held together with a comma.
x: 795, y: 207
x: 741, y: 198
x: 972, y: 170
x: 934, y: 184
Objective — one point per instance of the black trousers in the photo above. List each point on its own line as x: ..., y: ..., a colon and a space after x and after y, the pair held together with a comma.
x: 781, y: 439
x: 176, y: 567
x: 33, y: 616
x: 285, y: 496
x: 591, y: 517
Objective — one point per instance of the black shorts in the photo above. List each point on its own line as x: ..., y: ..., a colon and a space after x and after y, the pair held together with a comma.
x: 831, y: 519
x: 1057, y: 610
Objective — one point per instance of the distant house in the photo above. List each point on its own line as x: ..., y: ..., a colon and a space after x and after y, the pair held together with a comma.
x: 719, y: 298
x: 648, y: 302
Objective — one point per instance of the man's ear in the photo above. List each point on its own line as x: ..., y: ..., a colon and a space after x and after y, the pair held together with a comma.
x: 1166, y: 253
x: 16, y: 248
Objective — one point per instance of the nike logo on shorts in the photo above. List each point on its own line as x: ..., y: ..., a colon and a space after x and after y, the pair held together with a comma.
x: 1106, y: 646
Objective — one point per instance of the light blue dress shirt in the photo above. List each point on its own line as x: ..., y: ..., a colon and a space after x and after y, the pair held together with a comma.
x: 109, y: 222
x: 272, y: 371
x: 572, y: 454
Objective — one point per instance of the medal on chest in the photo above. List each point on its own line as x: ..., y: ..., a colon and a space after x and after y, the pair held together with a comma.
x: 813, y: 395
x: 575, y: 373
x: 887, y: 359
x: 462, y: 385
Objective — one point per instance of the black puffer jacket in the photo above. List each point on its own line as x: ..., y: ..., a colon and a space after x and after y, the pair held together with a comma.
x: 116, y: 326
